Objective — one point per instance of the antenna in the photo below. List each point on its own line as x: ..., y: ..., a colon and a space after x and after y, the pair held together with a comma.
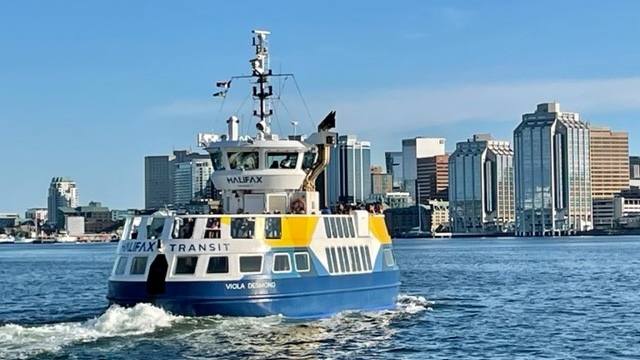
x: 295, y: 126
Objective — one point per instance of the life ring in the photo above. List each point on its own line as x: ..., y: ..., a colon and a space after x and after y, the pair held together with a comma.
x: 298, y: 206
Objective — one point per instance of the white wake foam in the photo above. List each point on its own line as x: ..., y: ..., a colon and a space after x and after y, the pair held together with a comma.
x: 412, y: 304
x: 18, y: 341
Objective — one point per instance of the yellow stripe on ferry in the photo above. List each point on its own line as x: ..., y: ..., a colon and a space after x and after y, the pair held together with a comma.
x: 378, y: 228
x: 297, y: 231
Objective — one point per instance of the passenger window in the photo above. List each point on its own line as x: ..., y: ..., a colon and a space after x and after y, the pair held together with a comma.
x: 339, y: 227
x: 334, y: 231
x: 154, y: 229
x: 273, y: 228
x: 327, y: 252
x: 388, y: 257
x: 186, y: 230
x: 302, y: 262
x: 353, y: 259
x: 352, y: 230
x: 218, y: 265
x: 346, y: 259
x: 358, y: 261
x: 327, y: 226
x: 334, y: 259
x: 186, y: 265
x: 212, y: 228
x: 122, y: 265
x: 345, y: 226
x: 138, y: 265
x: 281, y: 263
x: 242, y: 228
x: 251, y: 264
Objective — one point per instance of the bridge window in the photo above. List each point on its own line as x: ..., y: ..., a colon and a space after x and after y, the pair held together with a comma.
x: 302, y: 262
x: 186, y: 265
x: 138, y: 265
x: 216, y: 160
x: 242, y: 228
x: 273, y: 228
x: 282, y: 160
x: 122, y: 265
x: 308, y: 160
x: 281, y: 263
x: 247, y: 160
x: 218, y: 265
x: 388, y: 257
x: 251, y: 264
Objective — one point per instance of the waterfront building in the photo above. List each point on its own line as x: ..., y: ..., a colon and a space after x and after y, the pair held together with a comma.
x: 8, y: 220
x: 432, y: 178
x: 481, y: 186
x: 552, y: 173
x: 93, y: 218
x: 609, y: 162
x: 62, y: 192
x: 397, y: 199
x: 39, y: 214
x: 433, y: 216
x: 381, y: 183
x: 348, y: 178
x: 191, y: 181
x: 159, y: 174
x: 634, y: 171
x: 412, y: 150
x: 394, y: 167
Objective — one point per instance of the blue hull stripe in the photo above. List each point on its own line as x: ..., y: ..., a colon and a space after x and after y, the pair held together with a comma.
x: 292, y: 297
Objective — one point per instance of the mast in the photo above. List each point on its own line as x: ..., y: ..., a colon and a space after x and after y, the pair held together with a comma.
x: 262, y: 90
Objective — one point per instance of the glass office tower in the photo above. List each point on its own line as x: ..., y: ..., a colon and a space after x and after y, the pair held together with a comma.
x: 553, y: 179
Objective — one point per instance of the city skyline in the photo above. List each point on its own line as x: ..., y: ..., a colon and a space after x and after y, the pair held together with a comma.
x: 88, y: 99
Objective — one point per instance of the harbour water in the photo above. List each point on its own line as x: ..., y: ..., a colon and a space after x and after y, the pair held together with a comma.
x: 570, y: 298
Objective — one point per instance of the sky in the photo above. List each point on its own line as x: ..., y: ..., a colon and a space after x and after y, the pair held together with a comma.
x: 89, y: 88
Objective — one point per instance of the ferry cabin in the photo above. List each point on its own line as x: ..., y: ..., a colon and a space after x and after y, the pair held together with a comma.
x: 299, y: 266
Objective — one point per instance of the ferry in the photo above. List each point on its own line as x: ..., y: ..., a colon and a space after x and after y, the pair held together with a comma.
x: 270, y: 249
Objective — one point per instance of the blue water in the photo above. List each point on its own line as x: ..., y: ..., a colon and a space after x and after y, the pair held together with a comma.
x: 571, y: 298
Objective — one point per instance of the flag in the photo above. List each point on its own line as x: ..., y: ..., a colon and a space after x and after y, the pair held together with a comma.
x: 224, y: 84
x: 221, y: 94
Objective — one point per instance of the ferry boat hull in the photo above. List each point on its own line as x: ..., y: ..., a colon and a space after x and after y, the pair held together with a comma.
x: 294, y: 298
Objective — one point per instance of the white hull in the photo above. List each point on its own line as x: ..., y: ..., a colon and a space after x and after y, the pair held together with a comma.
x: 66, y: 239
x: 24, y: 241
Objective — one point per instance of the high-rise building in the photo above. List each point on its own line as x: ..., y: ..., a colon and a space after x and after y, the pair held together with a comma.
x: 481, y: 186
x: 62, y: 192
x: 348, y: 178
x: 159, y: 172
x: 609, y: 162
x: 393, y: 162
x: 412, y: 150
x: 191, y: 180
x: 552, y: 173
x: 634, y: 171
x: 381, y: 184
x: 433, y: 178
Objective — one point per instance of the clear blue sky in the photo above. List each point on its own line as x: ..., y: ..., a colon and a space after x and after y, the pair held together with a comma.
x: 87, y: 88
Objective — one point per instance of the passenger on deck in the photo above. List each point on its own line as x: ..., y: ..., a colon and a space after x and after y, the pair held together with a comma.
x: 274, y: 165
